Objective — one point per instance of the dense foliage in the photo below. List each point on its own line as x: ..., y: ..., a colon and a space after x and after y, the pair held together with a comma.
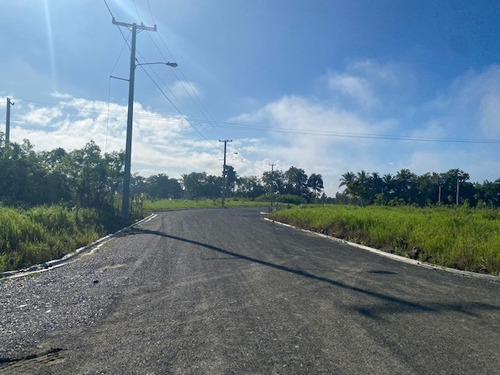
x: 200, y: 185
x: 80, y: 178
x: 406, y: 188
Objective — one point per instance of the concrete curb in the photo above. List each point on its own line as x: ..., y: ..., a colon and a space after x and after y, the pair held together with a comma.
x: 395, y: 257
x: 68, y: 257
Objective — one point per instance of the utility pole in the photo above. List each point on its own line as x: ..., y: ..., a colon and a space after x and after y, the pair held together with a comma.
x: 458, y: 189
x: 272, y: 186
x: 128, y: 145
x: 7, y: 122
x: 224, y: 173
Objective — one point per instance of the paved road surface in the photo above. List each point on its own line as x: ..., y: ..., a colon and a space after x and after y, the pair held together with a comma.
x: 226, y: 292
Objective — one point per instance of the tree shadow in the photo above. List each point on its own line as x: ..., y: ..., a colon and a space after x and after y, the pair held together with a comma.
x: 390, y: 305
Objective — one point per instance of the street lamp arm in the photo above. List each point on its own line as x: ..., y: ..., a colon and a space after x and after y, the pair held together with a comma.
x: 172, y: 64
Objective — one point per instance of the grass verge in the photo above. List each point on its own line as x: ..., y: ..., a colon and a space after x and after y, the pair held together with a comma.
x: 38, y: 235
x: 464, y: 238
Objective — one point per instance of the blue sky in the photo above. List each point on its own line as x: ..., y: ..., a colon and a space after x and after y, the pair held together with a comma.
x: 327, y: 86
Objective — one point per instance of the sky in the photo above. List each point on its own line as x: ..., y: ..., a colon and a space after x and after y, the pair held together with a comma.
x: 329, y: 86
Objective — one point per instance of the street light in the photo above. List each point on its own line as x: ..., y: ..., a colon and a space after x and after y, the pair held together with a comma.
x: 128, y: 144
x: 172, y: 64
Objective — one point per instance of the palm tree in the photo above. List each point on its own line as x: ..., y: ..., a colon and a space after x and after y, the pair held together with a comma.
x: 347, y: 180
x: 315, y: 183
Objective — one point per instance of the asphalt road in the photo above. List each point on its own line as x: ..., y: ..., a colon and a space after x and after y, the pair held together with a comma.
x: 226, y: 292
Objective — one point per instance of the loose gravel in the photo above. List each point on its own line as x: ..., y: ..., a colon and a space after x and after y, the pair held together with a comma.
x: 74, y: 296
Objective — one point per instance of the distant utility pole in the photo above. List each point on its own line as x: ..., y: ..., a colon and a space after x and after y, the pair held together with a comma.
x: 128, y: 145
x: 224, y: 173
x: 7, y: 122
x: 458, y: 190
x: 272, y: 186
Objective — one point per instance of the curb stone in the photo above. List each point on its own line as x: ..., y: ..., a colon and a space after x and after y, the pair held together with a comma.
x: 395, y: 257
x: 68, y: 257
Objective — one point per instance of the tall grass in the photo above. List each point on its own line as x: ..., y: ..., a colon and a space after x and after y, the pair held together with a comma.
x: 180, y: 204
x: 463, y: 238
x: 44, y: 233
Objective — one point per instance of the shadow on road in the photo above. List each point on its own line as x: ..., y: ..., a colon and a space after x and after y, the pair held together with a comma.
x: 391, y: 304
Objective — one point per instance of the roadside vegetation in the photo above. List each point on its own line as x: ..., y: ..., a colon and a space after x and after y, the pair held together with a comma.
x: 182, y: 204
x: 462, y: 238
x: 43, y: 233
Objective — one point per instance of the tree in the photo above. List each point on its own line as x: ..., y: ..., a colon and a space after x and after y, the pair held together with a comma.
x: 276, y: 179
x: 161, y: 186
x: 231, y: 179
x: 296, y: 181
x: 315, y: 183
x: 250, y: 187
x: 449, y: 182
x: 405, y: 186
x: 200, y: 185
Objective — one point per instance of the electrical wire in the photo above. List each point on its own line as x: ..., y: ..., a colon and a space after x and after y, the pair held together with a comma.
x: 178, y: 110
x: 183, y: 82
x: 158, y: 86
x: 209, y: 120
x: 151, y: 13
x: 68, y: 107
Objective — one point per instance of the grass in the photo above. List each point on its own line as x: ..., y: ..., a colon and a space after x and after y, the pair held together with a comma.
x: 44, y: 233
x: 182, y: 204
x: 463, y: 238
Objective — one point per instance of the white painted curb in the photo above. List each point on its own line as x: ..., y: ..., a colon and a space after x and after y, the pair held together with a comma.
x: 395, y: 257
x: 68, y: 257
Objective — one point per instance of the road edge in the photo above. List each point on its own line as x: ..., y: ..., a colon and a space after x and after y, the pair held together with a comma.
x: 395, y: 257
x: 56, y: 263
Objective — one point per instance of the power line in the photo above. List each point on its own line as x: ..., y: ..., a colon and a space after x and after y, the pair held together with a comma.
x: 151, y: 13
x: 69, y: 108
x: 184, y: 82
x: 358, y: 135
x: 177, y: 108
x: 158, y: 86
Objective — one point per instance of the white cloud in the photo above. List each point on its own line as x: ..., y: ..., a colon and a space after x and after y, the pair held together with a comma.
x: 375, y: 71
x: 489, y: 113
x: 59, y: 95
x: 161, y: 143
x: 470, y: 107
x: 40, y: 116
x: 355, y: 87
x: 184, y: 89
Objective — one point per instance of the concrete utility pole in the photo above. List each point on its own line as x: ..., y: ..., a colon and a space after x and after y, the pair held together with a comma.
x: 224, y: 173
x: 7, y: 122
x: 272, y: 186
x: 128, y: 145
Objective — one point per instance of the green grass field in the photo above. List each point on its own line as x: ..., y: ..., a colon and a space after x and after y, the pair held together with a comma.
x: 182, y: 204
x: 463, y: 238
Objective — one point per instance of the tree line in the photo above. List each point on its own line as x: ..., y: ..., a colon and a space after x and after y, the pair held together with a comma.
x: 407, y: 188
x: 88, y: 178
x: 293, y: 184
x: 82, y: 178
